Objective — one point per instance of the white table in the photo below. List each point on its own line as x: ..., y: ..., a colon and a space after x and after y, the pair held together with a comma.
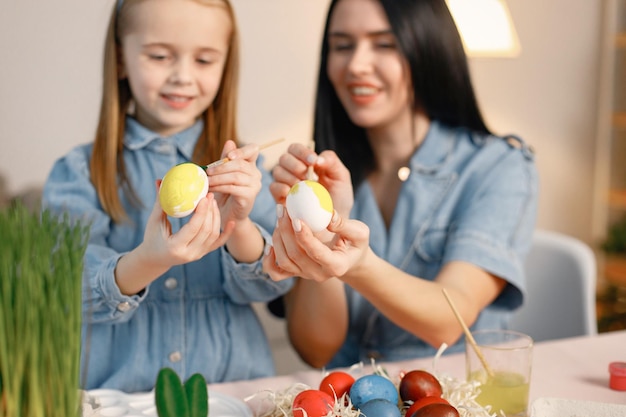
x: 575, y: 368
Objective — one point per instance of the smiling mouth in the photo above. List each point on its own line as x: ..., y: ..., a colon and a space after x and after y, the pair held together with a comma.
x: 176, y: 98
x: 363, y: 91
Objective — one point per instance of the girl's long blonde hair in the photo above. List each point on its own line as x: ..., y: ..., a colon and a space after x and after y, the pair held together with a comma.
x: 108, y: 171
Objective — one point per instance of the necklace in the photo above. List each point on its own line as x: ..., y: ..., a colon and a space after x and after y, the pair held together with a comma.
x: 403, y: 173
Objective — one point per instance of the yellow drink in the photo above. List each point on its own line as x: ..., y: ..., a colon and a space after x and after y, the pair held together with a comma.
x: 506, y: 391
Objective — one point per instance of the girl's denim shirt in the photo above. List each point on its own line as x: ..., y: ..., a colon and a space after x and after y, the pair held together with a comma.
x: 196, y: 317
x: 468, y: 197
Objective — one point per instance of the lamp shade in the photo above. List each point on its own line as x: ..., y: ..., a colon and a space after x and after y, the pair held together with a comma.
x: 486, y: 27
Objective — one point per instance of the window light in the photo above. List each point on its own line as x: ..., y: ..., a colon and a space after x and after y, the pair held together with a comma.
x: 486, y: 27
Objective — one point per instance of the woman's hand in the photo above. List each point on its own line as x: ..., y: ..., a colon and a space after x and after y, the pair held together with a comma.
x: 237, y: 182
x: 297, y: 251
x: 294, y: 165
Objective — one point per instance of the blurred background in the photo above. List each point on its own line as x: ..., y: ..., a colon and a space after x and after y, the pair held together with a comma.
x: 554, y: 93
x: 50, y: 70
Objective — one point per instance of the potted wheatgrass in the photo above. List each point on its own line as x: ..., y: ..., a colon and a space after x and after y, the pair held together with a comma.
x: 41, y: 262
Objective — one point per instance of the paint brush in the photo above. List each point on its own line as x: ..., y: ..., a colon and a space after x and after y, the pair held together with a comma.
x: 261, y: 147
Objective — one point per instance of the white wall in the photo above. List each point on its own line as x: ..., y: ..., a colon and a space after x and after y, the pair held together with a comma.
x: 549, y: 97
x: 49, y: 82
x: 50, y: 85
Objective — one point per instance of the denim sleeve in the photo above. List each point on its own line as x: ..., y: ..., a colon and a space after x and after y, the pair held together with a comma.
x: 494, y: 231
x: 68, y: 189
x: 246, y: 282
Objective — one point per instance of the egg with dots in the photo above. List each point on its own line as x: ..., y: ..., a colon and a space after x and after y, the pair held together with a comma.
x: 311, y: 203
x: 182, y: 188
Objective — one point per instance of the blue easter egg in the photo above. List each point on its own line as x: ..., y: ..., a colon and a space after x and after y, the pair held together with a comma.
x: 379, y: 407
x: 370, y: 387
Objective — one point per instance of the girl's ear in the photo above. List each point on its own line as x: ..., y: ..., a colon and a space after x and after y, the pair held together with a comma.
x: 121, y: 66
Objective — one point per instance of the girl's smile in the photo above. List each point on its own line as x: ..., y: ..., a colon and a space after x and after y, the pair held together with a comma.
x: 177, y: 102
x: 174, y: 56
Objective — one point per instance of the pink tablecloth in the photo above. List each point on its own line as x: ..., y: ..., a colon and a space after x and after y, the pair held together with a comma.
x: 574, y: 368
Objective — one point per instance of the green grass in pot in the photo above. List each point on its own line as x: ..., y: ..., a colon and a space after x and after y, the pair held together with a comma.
x: 41, y: 262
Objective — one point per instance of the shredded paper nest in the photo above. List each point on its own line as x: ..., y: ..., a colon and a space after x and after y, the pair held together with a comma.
x: 460, y: 394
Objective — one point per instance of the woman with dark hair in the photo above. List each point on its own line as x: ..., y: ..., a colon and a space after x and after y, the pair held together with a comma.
x: 426, y: 197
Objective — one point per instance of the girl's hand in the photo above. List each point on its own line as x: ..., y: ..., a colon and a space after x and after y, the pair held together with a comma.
x: 298, y: 252
x: 293, y: 166
x: 195, y: 239
x: 237, y: 182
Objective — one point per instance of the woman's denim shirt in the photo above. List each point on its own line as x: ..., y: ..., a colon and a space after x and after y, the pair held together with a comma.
x: 196, y: 317
x: 470, y: 198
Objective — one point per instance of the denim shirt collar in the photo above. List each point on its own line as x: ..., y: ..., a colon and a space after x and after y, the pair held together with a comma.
x: 435, y: 150
x: 138, y: 136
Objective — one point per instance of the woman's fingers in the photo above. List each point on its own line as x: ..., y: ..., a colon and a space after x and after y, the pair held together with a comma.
x: 290, y: 169
x: 351, y: 230
x: 293, y: 166
x: 297, y: 250
x: 302, y: 153
x: 270, y: 266
x: 346, y: 249
x: 284, y: 243
x: 279, y: 191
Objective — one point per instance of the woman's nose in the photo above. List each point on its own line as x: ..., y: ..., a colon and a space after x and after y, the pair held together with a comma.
x: 361, y: 60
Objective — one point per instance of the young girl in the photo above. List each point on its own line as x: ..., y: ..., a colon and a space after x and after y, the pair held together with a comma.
x: 158, y: 291
x: 440, y: 201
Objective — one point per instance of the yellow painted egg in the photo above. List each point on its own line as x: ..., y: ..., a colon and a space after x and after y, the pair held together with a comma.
x: 182, y: 188
x: 310, y: 202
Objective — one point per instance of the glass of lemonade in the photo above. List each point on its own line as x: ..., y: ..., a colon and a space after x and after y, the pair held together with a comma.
x: 509, y: 357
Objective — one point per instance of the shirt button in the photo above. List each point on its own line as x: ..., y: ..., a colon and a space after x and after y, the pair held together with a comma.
x: 171, y: 283
x: 124, y: 306
x: 175, y: 356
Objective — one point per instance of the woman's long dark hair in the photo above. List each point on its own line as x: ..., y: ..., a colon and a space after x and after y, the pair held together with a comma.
x: 430, y: 42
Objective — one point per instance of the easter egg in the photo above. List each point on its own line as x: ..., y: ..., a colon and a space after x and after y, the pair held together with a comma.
x: 310, y: 202
x: 417, y: 384
x: 182, y: 188
x: 370, y: 387
x: 379, y: 407
x: 436, y: 410
x: 336, y: 383
x: 423, y: 402
x: 312, y: 403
